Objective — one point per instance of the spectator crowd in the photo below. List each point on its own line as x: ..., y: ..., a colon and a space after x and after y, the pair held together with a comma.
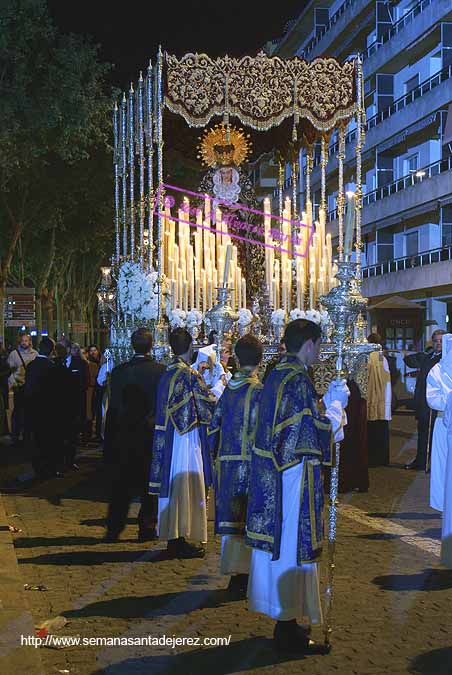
x: 52, y: 400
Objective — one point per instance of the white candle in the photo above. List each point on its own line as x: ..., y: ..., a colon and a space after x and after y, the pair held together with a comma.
x: 179, y: 288
x: 311, y: 291
x: 197, y: 289
x: 226, y: 265
x: 349, y: 225
x: 204, y: 290
x: 192, y: 289
x: 210, y: 293
x: 243, y: 293
x: 186, y: 296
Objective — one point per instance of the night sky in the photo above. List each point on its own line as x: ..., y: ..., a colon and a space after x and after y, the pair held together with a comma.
x: 130, y: 31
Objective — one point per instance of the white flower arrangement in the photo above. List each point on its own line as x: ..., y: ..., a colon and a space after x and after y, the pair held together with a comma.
x: 278, y: 317
x: 177, y: 318
x: 137, y: 292
x: 297, y: 314
x: 321, y: 318
x: 313, y: 315
x: 245, y: 317
x: 194, y: 318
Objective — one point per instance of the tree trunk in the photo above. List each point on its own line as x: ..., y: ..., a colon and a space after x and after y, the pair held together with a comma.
x: 50, y: 313
x: 38, y: 315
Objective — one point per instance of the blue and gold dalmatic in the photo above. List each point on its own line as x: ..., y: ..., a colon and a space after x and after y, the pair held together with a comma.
x: 231, y: 439
x: 183, y: 403
x: 290, y: 429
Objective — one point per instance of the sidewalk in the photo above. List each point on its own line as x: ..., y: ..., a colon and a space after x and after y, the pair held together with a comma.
x: 15, y: 616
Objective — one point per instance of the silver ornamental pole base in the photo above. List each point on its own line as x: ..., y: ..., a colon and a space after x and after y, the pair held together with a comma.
x: 221, y: 318
x: 161, y: 350
x: 344, y: 304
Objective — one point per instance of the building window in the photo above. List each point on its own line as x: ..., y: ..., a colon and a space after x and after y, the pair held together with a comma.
x: 412, y: 83
x: 411, y: 244
x: 411, y: 164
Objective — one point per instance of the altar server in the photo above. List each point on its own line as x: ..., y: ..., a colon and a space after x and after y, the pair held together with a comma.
x: 212, y: 371
x: 181, y: 469
x: 439, y: 386
x: 231, y: 437
x: 286, y: 495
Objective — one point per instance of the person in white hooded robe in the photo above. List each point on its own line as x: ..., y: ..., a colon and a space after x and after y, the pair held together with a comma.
x: 446, y: 534
x: 439, y: 386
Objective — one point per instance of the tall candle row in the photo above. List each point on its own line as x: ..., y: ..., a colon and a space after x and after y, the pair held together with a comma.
x: 293, y: 258
x: 198, y: 256
x: 195, y: 257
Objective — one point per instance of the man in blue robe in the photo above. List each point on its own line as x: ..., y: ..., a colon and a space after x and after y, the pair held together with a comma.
x: 231, y: 437
x: 181, y: 468
x: 286, y: 496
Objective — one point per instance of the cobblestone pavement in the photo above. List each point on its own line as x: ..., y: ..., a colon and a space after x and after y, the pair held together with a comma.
x: 392, y: 603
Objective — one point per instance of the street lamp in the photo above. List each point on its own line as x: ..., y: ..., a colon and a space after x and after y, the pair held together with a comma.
x: 105, y: 294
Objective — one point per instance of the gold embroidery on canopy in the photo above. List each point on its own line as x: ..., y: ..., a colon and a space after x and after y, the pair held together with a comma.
x: 262, y: 91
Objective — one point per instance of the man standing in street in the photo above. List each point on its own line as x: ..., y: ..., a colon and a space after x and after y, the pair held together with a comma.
x: 40, y: 394
x: 425, y: 416
x: 18, y: 361
x: 129, y: 437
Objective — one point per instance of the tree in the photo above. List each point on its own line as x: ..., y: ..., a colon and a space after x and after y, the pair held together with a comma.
x: 54, y: 118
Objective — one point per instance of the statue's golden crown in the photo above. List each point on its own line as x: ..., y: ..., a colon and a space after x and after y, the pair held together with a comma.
x: 221, y: 146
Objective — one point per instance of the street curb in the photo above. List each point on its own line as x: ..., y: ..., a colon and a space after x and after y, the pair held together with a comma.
x: 15, y: 616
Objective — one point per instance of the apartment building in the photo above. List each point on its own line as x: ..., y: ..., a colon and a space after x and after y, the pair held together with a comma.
x: 406, y: 48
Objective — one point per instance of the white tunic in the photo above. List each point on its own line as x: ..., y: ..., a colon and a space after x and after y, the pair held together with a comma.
x: 235, y: 556
x: 439, y: 385
x: 282, y: 589
x: 446, y: 534
x: 184, y: 513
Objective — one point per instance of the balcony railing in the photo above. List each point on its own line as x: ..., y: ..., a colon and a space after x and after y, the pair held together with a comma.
x: 403, y: 183
x: 315, y: 40
x: 397, y: 27
x: 395, y: 107
x: 407, y: 99
x: 409, y: 262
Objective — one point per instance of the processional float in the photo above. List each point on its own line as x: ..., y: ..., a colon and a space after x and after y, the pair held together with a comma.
x: 167, y: 264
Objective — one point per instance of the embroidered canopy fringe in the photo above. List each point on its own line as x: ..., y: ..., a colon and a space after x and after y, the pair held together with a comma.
x: 262, y: 91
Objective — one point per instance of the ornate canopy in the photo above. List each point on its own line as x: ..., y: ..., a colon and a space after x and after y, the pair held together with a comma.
x: 261, y: 91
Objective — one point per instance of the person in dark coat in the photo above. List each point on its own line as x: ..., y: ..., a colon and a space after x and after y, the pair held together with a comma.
x: 129, y: 435
x: 92, y: 394
x: 39, y: 397
x: 78, y: 367
x: 424, y: 415
x: 65, y: 409
x: 354, y: 461
x: 5, y: 372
